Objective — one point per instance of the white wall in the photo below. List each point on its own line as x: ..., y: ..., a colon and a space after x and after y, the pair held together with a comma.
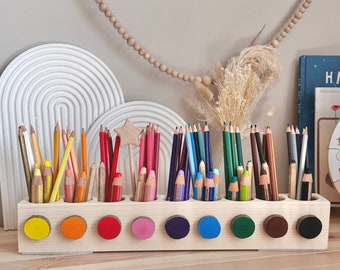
x: 189, y: 36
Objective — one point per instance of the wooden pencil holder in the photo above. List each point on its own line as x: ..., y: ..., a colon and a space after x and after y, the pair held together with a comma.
x: 165, y: 225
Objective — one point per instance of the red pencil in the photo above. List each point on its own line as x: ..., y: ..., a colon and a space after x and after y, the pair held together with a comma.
x: 117, y: 188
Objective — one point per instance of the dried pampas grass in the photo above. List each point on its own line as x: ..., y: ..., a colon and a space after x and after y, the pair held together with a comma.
x: 237, y: 87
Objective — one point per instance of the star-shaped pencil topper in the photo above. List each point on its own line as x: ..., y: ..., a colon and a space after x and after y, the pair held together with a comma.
x: 129, y: 134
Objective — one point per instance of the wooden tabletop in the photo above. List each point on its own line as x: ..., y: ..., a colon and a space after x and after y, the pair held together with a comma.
x: 329, y: 259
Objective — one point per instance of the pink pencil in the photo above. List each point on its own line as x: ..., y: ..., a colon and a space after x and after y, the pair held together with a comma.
x: 150, y: 140
x: 141, y: 151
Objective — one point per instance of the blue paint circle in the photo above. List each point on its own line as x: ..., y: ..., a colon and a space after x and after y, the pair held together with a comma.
x: 177, y: 227
x: 209, y: 227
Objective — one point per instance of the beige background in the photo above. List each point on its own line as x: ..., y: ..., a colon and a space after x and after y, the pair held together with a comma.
x: 190, y: 36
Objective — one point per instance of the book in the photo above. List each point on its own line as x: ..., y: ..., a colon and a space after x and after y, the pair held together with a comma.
x: 314, y: 71
x: 327, y: 115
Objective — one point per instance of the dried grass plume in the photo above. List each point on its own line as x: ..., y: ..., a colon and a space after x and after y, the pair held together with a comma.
x: 237, y: 87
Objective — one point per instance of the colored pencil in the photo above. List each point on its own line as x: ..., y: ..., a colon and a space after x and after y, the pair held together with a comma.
x: 302, y: 161
x: 25, y: 162
x: 62, y: 167
x: 47, y: 176
x: 150, y: 187
x: 69, y: 186
x: 101, y: 182
x: 90, y: 181
x: 233, y: 189
x: 272, y: 164
x: 36, y: 148
x: 139, y: 195
x: 80, y: 192
x: 37, y: 187
x: 117, y: 188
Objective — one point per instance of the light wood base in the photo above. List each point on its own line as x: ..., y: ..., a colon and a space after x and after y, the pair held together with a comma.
x: 160, y: 211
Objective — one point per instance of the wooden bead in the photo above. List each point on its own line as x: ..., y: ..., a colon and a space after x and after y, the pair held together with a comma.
x: 121, y: 30
x: 103, y: 7
x: 126, y: 36
x: 116, y: 25
x: 152, y: 60
x: 99, y: 1
x: 157, y: 64
x: 275, y: 43
x: 295, y: 20
x: 305, y: 5
x: 279, y: 38
x: 131, y: 41
x: 180, y: 75
x: 206, y: 80
x: 136, y: 47
x: 185, y: 78
x: 108, y: 13
x: 298, y: 15
x: 191, y: 78
x: 146, y: 56
x: 163, y: 67
x: 287, y: 29
x: 141, y: 51
x: 168, y: 71
x: 113, y: 19
x: 309, y: 1
x: 198, y: 79
x: 291, y: 25
x: 174, y: 74
x: 302, y: 9
x: 283, y: 34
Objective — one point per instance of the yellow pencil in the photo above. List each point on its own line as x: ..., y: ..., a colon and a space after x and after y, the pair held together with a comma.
x: 47, y: 180
x: 36, y: 149
x: 62, y: 168
x: 56, y: 152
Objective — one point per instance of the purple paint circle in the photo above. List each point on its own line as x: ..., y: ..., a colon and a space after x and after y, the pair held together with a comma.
x: 177, y: 227
x: 143, y: 228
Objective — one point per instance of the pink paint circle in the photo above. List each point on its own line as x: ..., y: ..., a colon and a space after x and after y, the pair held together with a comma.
x: 143, y: 228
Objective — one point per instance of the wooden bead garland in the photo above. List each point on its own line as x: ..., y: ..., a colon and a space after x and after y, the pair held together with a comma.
x: 206, y: 80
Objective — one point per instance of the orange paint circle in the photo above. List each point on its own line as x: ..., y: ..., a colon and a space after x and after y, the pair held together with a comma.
x: 37, y: 228
x: 73, y: 227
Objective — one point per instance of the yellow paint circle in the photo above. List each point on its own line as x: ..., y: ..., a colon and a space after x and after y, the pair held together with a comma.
x: 73, y: 227
x: 37, y: 228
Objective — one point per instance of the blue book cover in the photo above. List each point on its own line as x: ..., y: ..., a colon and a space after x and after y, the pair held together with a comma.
x: 314, y: 71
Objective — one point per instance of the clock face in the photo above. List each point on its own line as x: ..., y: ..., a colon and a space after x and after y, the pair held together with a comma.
x: 334, y: 157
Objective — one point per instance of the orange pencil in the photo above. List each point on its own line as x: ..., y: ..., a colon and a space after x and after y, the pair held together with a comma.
x: 80, y: 193
x: 68, y: 186
x: 83, y: 152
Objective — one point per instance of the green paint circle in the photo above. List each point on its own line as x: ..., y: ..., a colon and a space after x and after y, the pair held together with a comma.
x: 242, y: 226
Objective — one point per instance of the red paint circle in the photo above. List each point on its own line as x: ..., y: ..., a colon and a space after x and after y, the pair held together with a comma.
x: 109, y: 227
